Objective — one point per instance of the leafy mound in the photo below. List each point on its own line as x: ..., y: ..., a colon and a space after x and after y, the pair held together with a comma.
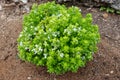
x: 58, y: 38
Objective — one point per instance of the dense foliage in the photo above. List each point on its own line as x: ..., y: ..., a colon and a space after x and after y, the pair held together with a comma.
x: 57, y: 37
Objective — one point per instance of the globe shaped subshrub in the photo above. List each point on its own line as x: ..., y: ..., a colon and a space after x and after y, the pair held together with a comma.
x: 57, y: 37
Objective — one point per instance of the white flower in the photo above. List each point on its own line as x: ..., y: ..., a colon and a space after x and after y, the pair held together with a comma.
x: 35, y: 28
x: 69, y: 32
x: 21, y: 44
x: 54, y: 34
x: 65, y: 30
x: 26, y: 48
x: 20, y: 35
x: 29, y: 35
x: 59, y: 15
x: 36, y: 45
x: 34, y: 33
x: 40, y: 49
x: 74, y: 29
x: 61, y: 55
x: 80, y: 10
x: 31, y: 26
x: 49, y: 29
x: 48, y: 37
x: 83, y: 58
x: 58, y: 33
x: 53, y: 15
x: 33, y: 50
x: 45, y: 55
x: 25, y: 28
x: 79, y: 28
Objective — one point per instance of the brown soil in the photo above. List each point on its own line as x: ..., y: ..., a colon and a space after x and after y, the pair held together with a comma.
x: 104, y: 66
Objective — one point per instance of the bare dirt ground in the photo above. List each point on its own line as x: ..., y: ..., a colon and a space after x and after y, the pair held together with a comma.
x: 104, y: 66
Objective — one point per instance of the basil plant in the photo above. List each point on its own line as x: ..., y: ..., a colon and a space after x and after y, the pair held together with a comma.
x: 57, y: 37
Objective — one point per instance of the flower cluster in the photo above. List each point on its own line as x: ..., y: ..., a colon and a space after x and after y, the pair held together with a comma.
x: 57, y: 37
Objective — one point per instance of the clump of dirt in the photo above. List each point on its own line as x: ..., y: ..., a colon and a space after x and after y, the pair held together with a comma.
x: 104, y: 66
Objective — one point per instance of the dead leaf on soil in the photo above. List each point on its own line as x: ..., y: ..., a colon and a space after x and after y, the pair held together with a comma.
x: 105, y: 15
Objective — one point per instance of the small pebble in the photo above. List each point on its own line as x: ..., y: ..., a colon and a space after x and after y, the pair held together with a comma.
x: 107, y: 74
x: 24, y: 1
x: 0, y: 7
x: 29, y: 78
x: 111, y: 72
